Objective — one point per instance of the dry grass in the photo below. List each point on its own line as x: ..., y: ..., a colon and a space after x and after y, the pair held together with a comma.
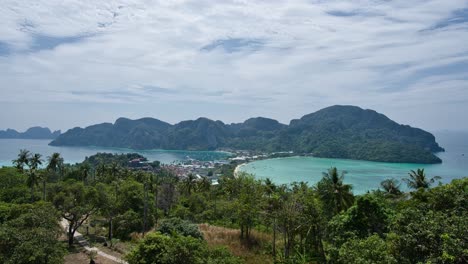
x: 252, y: 250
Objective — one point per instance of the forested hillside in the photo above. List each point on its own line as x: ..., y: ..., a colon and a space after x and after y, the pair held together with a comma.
x: 334, y: 132
x: 160, y: 218
x: 31, y: 133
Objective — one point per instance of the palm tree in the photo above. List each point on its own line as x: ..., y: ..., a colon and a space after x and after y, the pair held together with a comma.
x: 188, y: 183
x: 54, y: 163
x: 418, y: 179
x: 270, y: 187
x: 273, y: 205
x: 35, y: 161
x: 101, y: 170
x: 155, y: 181
x: 391, y: 186
x: 114, y: 170
x: 333, y: 192
x: 33, y: 176
x: 204, y: 184
x: 23, y: 159
x: 85, y: 168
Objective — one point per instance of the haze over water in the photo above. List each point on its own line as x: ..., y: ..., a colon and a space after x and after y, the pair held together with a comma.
x: 366, y: 175
x: 9, y: 149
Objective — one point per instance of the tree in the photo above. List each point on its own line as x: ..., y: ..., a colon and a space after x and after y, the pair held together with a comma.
x: 432, y: 228
x: 35, y: 161
x: 418, y: 179
x: 188, y: 183
x: 33, y: 175
x: 247, y: 204
x: 101, y: 170
x: 85, y: 168
x: 204, y: 184
x: 177, y: 249
x: 133, y: 200
x: 76, y: 203
x: 109, y: 205
x: 114, y: 170
x: 155, y: 182
x: 54, y: 163
x: 272, y: 207
x: 370, y: 250
x: 334, y: 193
x: 22, y: 160
x: 167, y: 194
x: 391, y: 187
x: 12, y: 186
x: 368, y: 216
x: 29, y: 234
x: 146, y: 186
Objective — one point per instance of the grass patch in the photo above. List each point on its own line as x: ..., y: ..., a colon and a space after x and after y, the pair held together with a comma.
x: 255, y: 250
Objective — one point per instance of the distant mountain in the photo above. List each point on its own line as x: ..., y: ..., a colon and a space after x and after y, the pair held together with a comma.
x: 31, y: 133
x: 333, y: 132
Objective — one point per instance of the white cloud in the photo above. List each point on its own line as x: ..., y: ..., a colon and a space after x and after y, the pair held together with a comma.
x: 377, y: 54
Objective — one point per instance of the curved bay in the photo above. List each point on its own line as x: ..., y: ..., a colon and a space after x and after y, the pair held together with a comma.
x: 365, y: 175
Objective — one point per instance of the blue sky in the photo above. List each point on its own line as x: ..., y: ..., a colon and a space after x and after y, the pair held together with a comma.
x: 76, y: 63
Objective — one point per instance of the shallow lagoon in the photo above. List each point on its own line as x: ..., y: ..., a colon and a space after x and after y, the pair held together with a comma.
x: 366, y: 175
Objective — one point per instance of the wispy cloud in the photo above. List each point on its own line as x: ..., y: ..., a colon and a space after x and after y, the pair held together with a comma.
x: 457, y: 17
x: 234, y: 45
x: 222, y: 58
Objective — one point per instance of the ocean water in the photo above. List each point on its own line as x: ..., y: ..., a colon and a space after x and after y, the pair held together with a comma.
x: 9, y: 149
x: 366, y: 175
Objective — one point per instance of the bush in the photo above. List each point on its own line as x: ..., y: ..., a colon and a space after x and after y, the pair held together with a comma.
x: 178, y: 226
x: 372, y: 250
x: 177, y: 249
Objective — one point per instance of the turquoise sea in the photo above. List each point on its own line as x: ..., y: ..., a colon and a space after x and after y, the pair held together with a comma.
x: 9, y: 149
x: 365, y: 175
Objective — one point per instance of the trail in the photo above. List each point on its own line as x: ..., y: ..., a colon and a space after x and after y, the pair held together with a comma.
x: 85, y: 244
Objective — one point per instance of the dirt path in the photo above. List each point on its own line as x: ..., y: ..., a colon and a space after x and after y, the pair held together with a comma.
x: 84, y: 243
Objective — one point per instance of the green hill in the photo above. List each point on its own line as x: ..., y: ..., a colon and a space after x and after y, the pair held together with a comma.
x: 333, y: 132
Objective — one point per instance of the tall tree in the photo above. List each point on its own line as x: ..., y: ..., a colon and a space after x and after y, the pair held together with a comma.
x: 271, y: 208
x: 33, y: 174
x: 22, y: 160
x: 29, y: 234
x: 109, y: 206
x: 155, y: 182
x: 333, y: 192
x: 188, y: 183
x: 35, y: 161
x: 101, y: 170
x: 204, y: 184
x: 146, y: 187
x: 114, y: 170
x: 54, y: 163
x: 391, y: 186
x: 418, y: 179
x: 75, y: 202
x: 247, y: 203
x: 85, y: 169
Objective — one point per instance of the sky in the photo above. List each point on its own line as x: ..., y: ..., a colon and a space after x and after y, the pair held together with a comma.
x: 80, y: 62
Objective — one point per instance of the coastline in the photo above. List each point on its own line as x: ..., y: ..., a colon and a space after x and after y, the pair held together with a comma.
x: 236, y: 170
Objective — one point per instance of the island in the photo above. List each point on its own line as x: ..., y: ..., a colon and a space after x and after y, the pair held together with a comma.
x: 339, y: 131
x: 32, y: 133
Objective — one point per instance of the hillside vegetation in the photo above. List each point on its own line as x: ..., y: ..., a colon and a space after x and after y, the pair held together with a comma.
x: 161, y: 218
x: 334, y: 132
x: 31, y: 133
